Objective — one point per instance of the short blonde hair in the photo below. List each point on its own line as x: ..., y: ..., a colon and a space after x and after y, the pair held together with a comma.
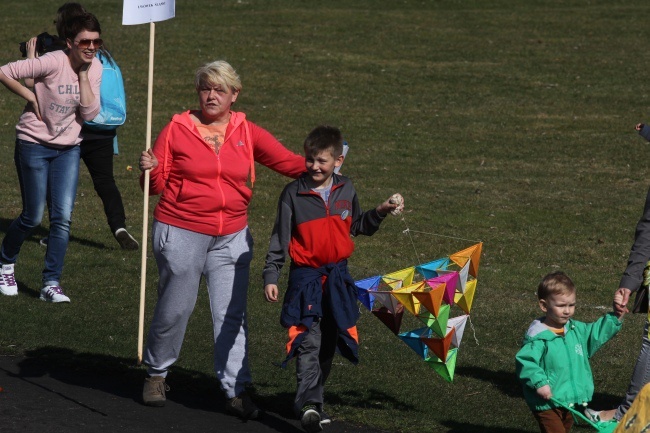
x: 555, y: 283
x: 218, y: 72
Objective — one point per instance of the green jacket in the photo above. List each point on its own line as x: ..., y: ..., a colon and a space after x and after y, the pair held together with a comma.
x: 562, y: 362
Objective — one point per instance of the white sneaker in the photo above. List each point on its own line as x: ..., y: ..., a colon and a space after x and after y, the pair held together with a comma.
x: 53, y: 294
x: 592, y: 415
x: 8, y: 284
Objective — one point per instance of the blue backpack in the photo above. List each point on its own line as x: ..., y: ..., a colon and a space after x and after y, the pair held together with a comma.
x: 112, y: 111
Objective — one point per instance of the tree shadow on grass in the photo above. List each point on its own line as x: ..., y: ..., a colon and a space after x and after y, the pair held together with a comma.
x: 282, y: 402
x: 505, y: 381
x: 508, y: 384
x: 27, y: 290
x: 371, y: 396
x: 461, y: 427
x: 120, y: 377
x: 41, y: 232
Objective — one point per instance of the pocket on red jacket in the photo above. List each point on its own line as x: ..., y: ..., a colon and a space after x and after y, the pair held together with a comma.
x: 197, y: 197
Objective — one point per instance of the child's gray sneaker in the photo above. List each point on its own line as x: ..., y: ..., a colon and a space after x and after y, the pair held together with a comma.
x: 53, y: 294
x: 310, y: 419
x: 153, y: 393
x: 592, y: 415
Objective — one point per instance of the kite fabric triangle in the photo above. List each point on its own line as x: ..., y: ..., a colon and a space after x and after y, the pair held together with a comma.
x: 458, y: 324
x: 392, y: 320
x: 445, y: 369
x: 451, y: 280
x: 399, y: 279
x: 464, y: 300
x: 413, y: 339
x: 364, y: 288
x: 463, y: 275
x: 472, y: 253
x: 387, y: 300
x: 429, y: 270
x: 404, y: 296
x: 438, y: 324
x: 432, y: 300
x: 440, y: 346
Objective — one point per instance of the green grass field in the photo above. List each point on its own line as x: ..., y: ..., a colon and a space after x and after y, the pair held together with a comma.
x: 509, y: 122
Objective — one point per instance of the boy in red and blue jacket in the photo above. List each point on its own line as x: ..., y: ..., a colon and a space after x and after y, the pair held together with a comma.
x: 317, y: 215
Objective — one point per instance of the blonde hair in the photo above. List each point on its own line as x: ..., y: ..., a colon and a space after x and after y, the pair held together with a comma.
x: 555, y: 283
x: 218, y: 72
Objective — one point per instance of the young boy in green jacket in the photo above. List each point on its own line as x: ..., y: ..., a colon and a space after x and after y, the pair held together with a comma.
x: 553, y: 361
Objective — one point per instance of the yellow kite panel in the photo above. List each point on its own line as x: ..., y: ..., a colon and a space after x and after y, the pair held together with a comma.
x: 399, y: 279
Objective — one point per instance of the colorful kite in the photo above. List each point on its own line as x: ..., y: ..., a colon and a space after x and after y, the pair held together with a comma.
x: 427, y: 292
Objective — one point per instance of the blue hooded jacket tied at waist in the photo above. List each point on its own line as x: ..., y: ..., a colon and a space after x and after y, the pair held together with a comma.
x: 303, y: 303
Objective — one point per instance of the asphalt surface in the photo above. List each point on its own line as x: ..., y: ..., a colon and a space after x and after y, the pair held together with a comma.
x: 54, y: 390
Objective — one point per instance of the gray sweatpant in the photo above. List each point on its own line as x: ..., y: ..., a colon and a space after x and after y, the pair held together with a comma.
x: 640, y: 375
x: 183, y: 257
x: 314, y: 361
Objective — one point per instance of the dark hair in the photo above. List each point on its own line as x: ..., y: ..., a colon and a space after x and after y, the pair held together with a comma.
x: 78, y: 24
x: 555, y: 283
x: 324, y: 138
x: 64, y: 16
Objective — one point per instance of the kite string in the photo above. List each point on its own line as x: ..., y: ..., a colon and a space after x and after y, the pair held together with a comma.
x: 442, y: 236
x: 408, y: 232
x: 417, y: 256
x: 469, y: 317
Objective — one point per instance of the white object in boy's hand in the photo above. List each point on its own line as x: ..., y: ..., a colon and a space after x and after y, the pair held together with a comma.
x: 399, y: 201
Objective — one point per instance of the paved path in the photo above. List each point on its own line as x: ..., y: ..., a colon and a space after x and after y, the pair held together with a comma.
x: 42, y: 395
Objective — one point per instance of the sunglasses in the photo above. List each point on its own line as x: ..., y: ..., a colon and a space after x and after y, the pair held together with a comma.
x: 85, y: 43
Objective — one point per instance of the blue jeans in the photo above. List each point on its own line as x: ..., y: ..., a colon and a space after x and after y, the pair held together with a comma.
x: 44, y: 173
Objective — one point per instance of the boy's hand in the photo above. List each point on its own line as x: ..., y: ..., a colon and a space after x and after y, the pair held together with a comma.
x: 545, y: 392
x: 621, y: 298
x: 271, y: 292
x: 394, y: 205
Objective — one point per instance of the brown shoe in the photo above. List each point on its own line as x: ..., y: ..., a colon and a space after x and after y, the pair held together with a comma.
x: 153, y: 393
x: 243, y: 407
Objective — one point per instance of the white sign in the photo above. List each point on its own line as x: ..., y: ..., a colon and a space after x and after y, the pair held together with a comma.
x: 147, y: 11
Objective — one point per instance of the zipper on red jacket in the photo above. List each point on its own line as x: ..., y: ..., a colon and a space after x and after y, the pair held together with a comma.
x: 223, y: 198
x: 327, y: 212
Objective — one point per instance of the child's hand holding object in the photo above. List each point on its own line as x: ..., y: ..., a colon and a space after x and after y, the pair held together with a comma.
x: 394, y: 205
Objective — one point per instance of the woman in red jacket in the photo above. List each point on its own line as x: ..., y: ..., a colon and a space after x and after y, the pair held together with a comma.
x: 200, y: 165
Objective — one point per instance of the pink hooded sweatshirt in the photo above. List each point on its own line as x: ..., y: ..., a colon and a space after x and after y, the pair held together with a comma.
x: 56, y: 86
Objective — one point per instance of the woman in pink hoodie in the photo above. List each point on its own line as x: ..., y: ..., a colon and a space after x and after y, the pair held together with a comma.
x: 66, y: 92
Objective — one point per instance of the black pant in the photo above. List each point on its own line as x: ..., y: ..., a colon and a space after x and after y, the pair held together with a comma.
x: 97, y: 154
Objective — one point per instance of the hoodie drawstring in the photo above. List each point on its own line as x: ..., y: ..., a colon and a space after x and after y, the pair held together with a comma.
x: 249, y: 142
